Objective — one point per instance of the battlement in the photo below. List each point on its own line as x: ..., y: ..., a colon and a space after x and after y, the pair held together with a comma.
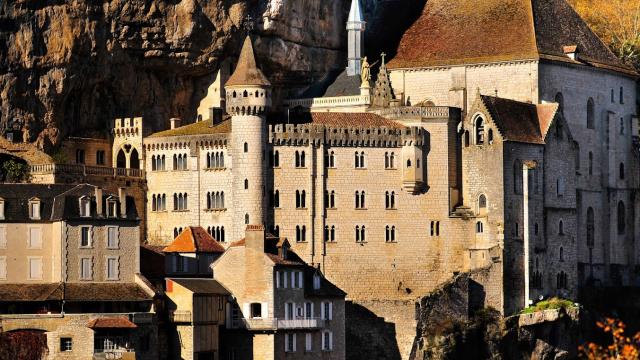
x: 417, y: 112
x: 290, y: 134
x: 127, y: 126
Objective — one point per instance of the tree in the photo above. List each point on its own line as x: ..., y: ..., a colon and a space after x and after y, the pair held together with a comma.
x: 622, y: 347
x: 15, y: 171
x: 617, y: 23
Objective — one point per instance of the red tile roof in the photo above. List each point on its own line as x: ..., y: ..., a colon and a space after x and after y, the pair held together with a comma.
x: 111, y: 323
x: 471, y: 31
x: 194, y: 239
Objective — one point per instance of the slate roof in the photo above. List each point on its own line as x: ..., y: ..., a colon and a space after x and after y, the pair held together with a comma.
x: 519, y: 121
x: 247, y: 71
x: 194, y: 239
x: 202, y: 286
x: 67, y: 205
x: 337, y: 119
x: 73, y: 292
x: 470, y: 31
x: 119, y: 322
x: 16, y: 201
x: 198, y: 128
x: 334, y: 83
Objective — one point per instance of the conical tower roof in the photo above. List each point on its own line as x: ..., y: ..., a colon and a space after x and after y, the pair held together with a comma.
x: 355, y: 14
x: 247, y: 72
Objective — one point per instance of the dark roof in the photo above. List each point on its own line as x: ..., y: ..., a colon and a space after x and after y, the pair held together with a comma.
x: 152, y: 262
x: 202, y: 286
x: 105, y: 292
x: 119, y: 322
x: 31, y: 292
x: 16, y: 200
x: 520, y: 121
x: 334, y: 83
x: 67, y: 205
x: 471, y: 31
x: 247, y: 71
x: 327, y: 288
x: 198, y: 128
x: 194, y: 239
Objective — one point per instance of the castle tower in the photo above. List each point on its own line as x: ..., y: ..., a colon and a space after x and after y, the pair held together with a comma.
x: 248, y: 96
x: 355, y: 28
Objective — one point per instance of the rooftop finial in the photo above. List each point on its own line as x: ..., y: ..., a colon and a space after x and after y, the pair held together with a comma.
x: 355, y: 27
x: 248, y: 24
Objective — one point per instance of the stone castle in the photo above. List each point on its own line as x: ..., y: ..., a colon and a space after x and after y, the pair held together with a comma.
x: 503, y: 144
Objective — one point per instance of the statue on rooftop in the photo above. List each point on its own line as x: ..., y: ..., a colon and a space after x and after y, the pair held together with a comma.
x: 365, y: 72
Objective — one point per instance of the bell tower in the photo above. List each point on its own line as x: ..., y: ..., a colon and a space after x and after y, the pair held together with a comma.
x: 355, y: 29
x: 248, y: 97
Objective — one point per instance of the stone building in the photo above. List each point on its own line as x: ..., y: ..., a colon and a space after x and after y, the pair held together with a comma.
x: 282, y: 307
x: 507, y: 150
x: 69, y: 267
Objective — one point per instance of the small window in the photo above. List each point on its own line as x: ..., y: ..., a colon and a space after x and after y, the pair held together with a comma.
x: 482, y: 202
x: 590, y: 114
x: 85, y: 236
x: 316, y: 282
x: 85, y: 206
x: 479, y: 130
x: 621, y: 218
x: 561, y: 254
x: 246, y: 184
x: 246, y: 219
x: 561, y: 228
x: 35, y: 268
x: 621, y: 171
x: 256, y: 310
x: 66, y: 344
x: 112, y: 208
x: 112, y: 237
x: 621, y: 95
x: 79, y: 156
x: 246, y: 147
x: 327, y: 340
x: 100, y: 157
x: 479, y: 227
x: 34, y: 209
x: 86, y: 269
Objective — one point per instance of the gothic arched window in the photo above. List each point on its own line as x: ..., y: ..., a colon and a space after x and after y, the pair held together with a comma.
x: 621, y: 218
x: 590, y: 114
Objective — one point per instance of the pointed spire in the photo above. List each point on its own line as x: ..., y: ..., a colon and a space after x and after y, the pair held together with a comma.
x: 355, y: 14
x: 247, y: 71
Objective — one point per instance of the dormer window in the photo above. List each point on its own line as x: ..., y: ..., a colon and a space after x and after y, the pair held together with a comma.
x: 284, y: 252
x: 112, y: 208
x: 85, y: 206
x: 34, y: 209
x: 316, y: 281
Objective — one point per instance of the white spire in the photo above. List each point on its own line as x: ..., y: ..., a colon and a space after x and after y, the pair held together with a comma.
x: 355, y: 14
x: 355, y: 28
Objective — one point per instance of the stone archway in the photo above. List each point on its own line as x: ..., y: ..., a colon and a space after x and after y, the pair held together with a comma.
x: 134, y: 159
x: 121, y: 159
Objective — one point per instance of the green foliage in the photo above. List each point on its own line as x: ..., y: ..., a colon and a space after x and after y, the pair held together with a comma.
x: 15, y: 171
x: 59, y: 157
x: 550, y: 304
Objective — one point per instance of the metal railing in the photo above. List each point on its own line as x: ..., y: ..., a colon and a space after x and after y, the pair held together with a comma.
x: 79, y: 169
x: 428, y: 112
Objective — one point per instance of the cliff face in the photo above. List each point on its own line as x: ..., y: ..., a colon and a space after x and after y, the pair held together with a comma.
x: 70, y: 66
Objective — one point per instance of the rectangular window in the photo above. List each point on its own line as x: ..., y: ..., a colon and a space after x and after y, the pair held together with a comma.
x: 3, y: 237
x: 34, y: 210
x: 621, y: 95
x: 256, y: 310
x: 308, y: 342
x: 100, y: 157
x: 300, y: 279
x: 308, y: 310
x: 327, y: 340
x: 112, y: 237
x: 326, y: 311
x: 66, y: 344
x: 288, y: 311
x: 86, y: 267
x: 35, y: 238
x: 113, y: 268
x: 85, y: 236
x: 3, y: 267
x: 290, y: 342
x: 35, y: 268
x: 283, y: 279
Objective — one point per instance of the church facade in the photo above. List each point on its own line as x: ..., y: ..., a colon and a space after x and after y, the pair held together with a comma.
x: 511, y: 157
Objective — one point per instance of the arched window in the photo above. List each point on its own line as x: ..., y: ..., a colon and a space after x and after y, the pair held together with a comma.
x: 490, y: 136
x: 561, y: 254
x: 386, y: 160
x: 332, y: 233
x: 479, y: 227
x: 433, y: 228
x: 479, y: 130
x: 297, y: 159
x: 387, y: 234
x: 622, y: 221
x: 535, y: 229
x: 466, y: 138
x: 85, y: 206
x: 393, y: 200
x: 560, y: 186
x: 246, y: 184
x: 276, y: 199
x: 590, y: 163
x: 561, y: 227
x: 387, y: 200
x: 209, y: 202
x: 154, y: 204
x: 408, y: 163
x: 590, y: 227
x: 392, y: 158
x: 590, y: 114
x: 153, y: 163
x: 621, y: 171
x: 245, y: 93
x: 393, y: 233
x: 302, y: 159
x: 303, y: 199
x: 246, y: 219
x: 246, y: 147
x: 276, y: 159
x: 362, y: 200
x: 437, y: 228
x: 363, y: 234
x: 358, y: 233
x: 357, y: 199
x: 482, y: 202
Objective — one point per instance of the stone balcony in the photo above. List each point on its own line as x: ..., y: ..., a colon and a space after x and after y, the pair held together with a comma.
x: 84, y: 170
x: 283, y: 324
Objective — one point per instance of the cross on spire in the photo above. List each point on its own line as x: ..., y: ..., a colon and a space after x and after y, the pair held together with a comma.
x: 383, y: 55
x: 248, y: 24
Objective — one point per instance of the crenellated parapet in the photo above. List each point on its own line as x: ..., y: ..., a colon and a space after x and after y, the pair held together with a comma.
x: 304, y: 134
x: 203, y: 142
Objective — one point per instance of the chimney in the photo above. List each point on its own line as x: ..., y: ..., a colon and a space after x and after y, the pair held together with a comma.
x: 571, y: 51
x: 98, y: 201
x: 122, y: 195
x: 254, y: 238
x: 175, y: 123
x: 215, y: 114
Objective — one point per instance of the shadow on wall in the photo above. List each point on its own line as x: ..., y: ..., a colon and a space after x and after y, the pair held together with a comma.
x: 369, y: 336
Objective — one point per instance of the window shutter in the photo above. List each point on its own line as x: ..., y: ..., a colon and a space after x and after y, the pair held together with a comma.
x: 265, y: 310
x: 3, y: 267
x: 324, y: 345
x: 286, y: 311
x: 308, y: 342
x: 300, y: 279
x: 330, y: 340
x: 277, y: 279
x: 286, y: 342
x: 322, y: 310
x: 330, y: 311
x: 246, y: 307
x: 294, y: 342
x: 293, y: 280
x: 284, y: 278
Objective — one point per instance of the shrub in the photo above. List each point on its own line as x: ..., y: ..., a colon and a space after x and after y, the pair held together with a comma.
x: 550, y: 304
x: 15, y: 171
